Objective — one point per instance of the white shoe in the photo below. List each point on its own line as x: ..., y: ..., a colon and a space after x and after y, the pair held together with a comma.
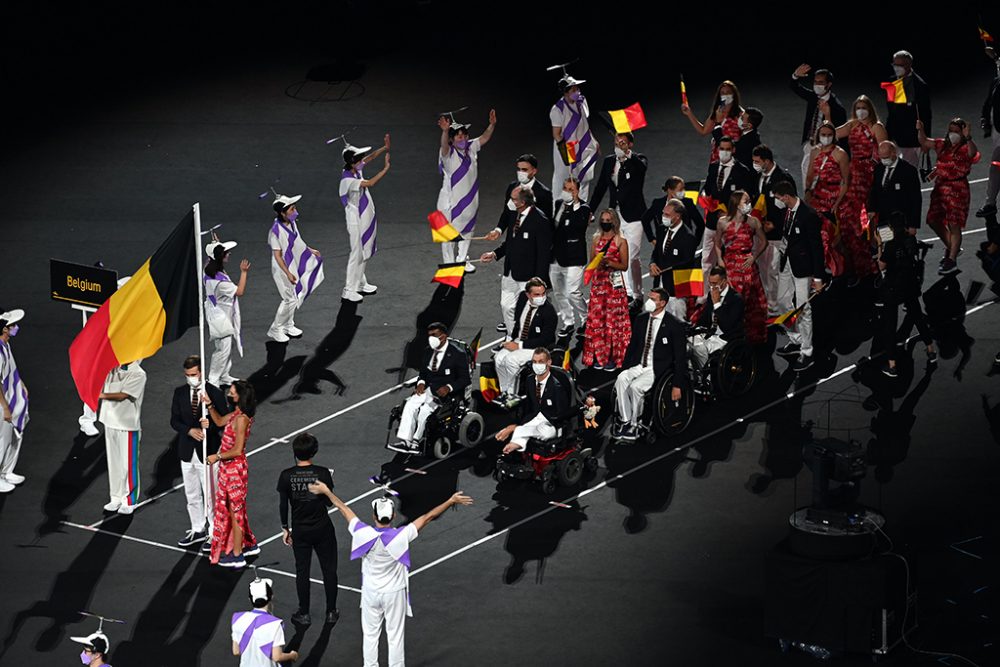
x: 89, y: 429
x: 352, y: 296
x: 278, y: 336
x: 293, y: 331
x: 368, y: 289
x: 13, y: 478
x: 126, y: 509
x: 470, y: 267
x: 112, y: 506
x: 6, y: 487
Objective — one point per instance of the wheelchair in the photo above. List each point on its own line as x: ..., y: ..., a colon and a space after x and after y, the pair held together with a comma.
x: 561, y: 461
x: 729, y: 373
x: 453, y: 422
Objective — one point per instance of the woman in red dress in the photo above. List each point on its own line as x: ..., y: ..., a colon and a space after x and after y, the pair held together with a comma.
x: 608, y: 326
x: 726, y: 112
x: 232, y: 538
x: 949, y: 206
x: 864, y: 132
x: 734, y: 245
x: 827, y: 179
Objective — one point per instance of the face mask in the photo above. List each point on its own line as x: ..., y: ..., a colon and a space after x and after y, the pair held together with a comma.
x: 12, y: 330
x: 861, y: 114
x: 819, y: 90
x: 510, y: 205
x: 359, y: 166
x: 825, y: 140
x: 434, y: 342
x: 522, y: 177
x: 954, y: 137
x: 461, y: 143
x: 537, y: 301
x: 739, y: 123
x: 293, y: 216
x: 649, y: 305
x: 726, y: 99
x: 193, y: 380
x: 679, y: 195
x: 724, y: 156
x: 619, y: 153
x: 899, y: 71
x: 887, y: 161
x: 745, y: 208
x: 606, y: 226
x: 759, y: 168
x: 539, y: 369
x: 780, y: 204
x: 567, y: 197
x: 667, y: 221
x: 84, y: 658
x: 576, y: 96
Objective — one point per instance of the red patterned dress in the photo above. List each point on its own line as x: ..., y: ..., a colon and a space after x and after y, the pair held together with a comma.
x: 832, y: 258
x: 950, y: 197
x: 824, y: 195
x: 608, y: 326
x: 853, y: 237
x: 737, y: 243
x: 731, y: 129
x: 231, y: 494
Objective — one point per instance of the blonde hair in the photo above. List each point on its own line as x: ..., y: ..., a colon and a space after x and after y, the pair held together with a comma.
x: 867, y: 102
x: 616, y: 223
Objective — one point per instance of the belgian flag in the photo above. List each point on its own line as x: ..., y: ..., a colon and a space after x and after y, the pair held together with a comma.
x: 155, y: 307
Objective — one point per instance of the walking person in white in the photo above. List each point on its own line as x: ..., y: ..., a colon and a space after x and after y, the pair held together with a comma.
x: 13, y: 400
x: 359, y: 210
x: 459, y: 195
x: 569, y: 117
x: 222, y: 310
x: 119, y: 411
x: 569, y: 257
x: 385, y: 569
x: 296, y: 268
x: 258, y: 636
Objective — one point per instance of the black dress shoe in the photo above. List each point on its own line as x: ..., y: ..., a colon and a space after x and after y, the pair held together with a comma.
x: 986, y: 211
x: 789, y: 350
x: 332, y: 617
x: 301, y: 618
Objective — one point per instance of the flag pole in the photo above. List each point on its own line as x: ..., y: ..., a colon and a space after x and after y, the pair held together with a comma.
x: 201, y: 350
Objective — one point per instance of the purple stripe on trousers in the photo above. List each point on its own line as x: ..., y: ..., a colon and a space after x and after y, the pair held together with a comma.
x: 464, y: 202
x: 462, y: 170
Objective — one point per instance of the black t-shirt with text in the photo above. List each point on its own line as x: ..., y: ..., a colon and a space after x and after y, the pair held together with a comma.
x: 308, y: 509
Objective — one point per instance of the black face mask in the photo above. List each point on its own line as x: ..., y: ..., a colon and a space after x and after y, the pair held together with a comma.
x: 606, y: 226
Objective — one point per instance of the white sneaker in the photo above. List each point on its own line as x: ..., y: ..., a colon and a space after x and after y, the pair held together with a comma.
x: 352, y: 296
x: 13, y: 478
x: 6, y: 487
x: 126, y: 509
x: 278, y: 336
x: 89, y: 429
x: 293, y: 331
x: 112, y: 506
x: 368, y: 289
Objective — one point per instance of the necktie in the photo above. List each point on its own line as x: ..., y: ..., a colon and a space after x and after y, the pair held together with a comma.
x: 434, y: 362
x: 888, y: 176
x: 649, y: 343
x: 815, y: 122
x: 788, y: 221
x: 517, y: 223
x: 527, y: 323
x: 722, y: 177
x: 538, y: 392
x: 194, y: 402
x: 669, y: 241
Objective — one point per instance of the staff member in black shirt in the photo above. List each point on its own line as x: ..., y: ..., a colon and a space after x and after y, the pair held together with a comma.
x: 311, y: 528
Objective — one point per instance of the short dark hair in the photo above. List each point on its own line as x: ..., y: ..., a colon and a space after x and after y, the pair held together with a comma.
x: 529, y: 158
x: 726, y: 137
x: 756, y: 117
x: 783, y: 189
x: 305, y: 446
x: 194, y: 361
x: 718, y: 271
x: 828, y: 73
x: 533, y: 282
x: 662, y: 291
x: 627, y: 135
x: 437, y: 326
x: 672, y: 183
x: 764, y: 152
x: 544, y: 351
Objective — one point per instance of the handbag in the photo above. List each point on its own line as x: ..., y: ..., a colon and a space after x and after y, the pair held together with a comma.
x: 219, y: 323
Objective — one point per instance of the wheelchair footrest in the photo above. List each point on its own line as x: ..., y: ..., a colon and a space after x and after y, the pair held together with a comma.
x: 512, y: 470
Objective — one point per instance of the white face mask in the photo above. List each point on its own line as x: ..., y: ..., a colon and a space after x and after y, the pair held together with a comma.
x: 861, y: 114
x: 667, y: 221
x: 193, y: 380
x: 537, y: 301
x: 759, y: 168
x: 887, y: 161
x: 819, y: 90
x: 510, y: 205
x: 954, y: 138
x: 680, y: 194
x: 522, y: 177
x: 899, y: 71
x: 726, y: 99
x: 539, y: 369
x: 619, y: 153
x: 434, y: 342
x: 739, y: 123
x: 745, y: 208
x: 780, y: 204
x: 567, y: 196
x: 649, y: 305
x: 725, y: 156
x: 825, y: 140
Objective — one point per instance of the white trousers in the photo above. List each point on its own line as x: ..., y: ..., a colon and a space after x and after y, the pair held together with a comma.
x: 702, y: 346
x: 508, y: 363
x: 88, y: 418
x: 792, y: 292
x: 10, y: 447
x: 567, y: 293
x: 356, y: 262
x: 376, y: 608
x: 122, y: 448
x: 769, y: 265
x: 416, y: 410
x: 708, y: 258
x: 632, y: 231
x: 510, y: 289
x: 455, y: 252
x: 806, y: 152
x: 285, y: 316
x: 631, y: 388
x: 221, y: 362
x: 197, y: 487
x: 538, y: 427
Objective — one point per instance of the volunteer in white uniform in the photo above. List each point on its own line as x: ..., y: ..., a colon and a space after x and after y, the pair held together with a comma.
x: 13, y: 400
x: 296, y: 268
x: 384, y: 569
x: 222, y: 310
x: 119, y: 411
x: 258, y: 637
x: 359, y: 213
x: 95, y: 649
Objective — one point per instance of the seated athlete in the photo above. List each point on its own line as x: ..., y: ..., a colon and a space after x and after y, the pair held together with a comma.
x: 548, y: 400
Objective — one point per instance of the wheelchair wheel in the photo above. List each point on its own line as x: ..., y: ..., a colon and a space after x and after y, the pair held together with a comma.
x: 548, y: 481
x: 470, y: 431
x: 441, y: 447
x: 671, y: 418
x: 735, y: 369
x: 570, y: 469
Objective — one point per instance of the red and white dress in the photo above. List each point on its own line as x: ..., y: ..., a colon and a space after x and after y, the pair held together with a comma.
x: 853, y: 237
x: 737, y: 243
x: 950, y: 197
x: 231, y: 494
x: 608, y: 326
x: 827, y: 179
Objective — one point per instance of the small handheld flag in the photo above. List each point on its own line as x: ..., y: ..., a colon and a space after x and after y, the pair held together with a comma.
x: 567, y: 151
x: 689, y: 282
x: 684, y: 91
x: 474, y: 346
x: 985, y: 36
x: 588, y: 271
x: 567, y: 362
x: 759, y: 208
x: 628, y: 119
x: 711, y: 204
x: 449, y: 274
x: 441, y: 229
x: 894, y: 92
